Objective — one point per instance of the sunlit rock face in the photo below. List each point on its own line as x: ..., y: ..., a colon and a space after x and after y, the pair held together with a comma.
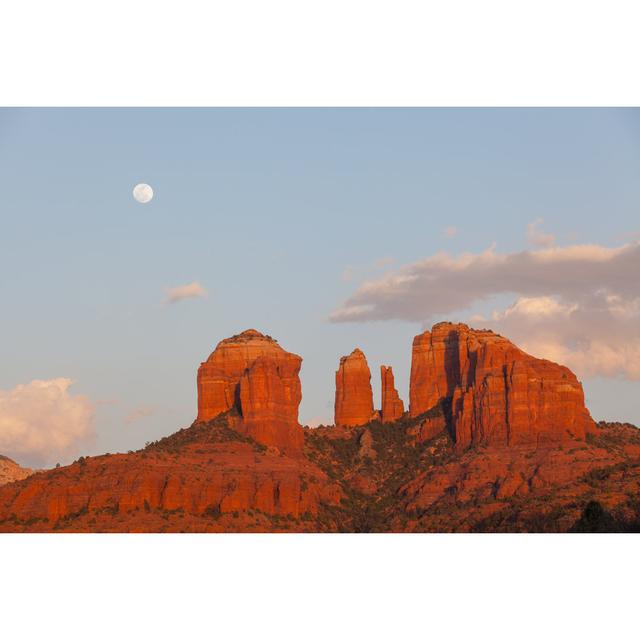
x: 354, y: 397
x: 11, y: 471
x: 496, y: 393
x: 392, y: 405
x: 269, y: 398
x: 252, y: 373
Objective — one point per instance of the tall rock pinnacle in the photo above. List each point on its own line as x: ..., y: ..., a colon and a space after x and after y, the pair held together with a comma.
x: 354, y: 397
x: 392, y: 406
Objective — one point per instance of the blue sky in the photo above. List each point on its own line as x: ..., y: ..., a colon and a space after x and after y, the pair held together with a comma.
x: 280, y: 214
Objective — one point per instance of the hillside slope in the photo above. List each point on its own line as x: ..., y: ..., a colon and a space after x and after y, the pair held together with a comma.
x: 373, y: 478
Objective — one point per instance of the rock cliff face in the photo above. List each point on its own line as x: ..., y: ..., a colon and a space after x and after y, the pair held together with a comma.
x: 354, y: 397
x: 269, y: 398
x: 392, y: 406
x: 253, y: 374
x: 11, y: 471
x: 498, y: 394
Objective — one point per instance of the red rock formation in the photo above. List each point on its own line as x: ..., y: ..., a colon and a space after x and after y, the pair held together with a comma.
x: 474, y: 384
x: 252, y: 373
x: 441, y: 361
x: 269, y: 397
x: 219, y: 376
x: 392, y: 406
x: 203, y: 472
x: 499, y: 395
x: 11, y: 471
x: 354, y: 397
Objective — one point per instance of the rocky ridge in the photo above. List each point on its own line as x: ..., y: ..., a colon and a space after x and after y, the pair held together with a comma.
x: 11, y: 471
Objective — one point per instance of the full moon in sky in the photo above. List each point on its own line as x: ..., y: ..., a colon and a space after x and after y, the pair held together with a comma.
x: 142, y: 193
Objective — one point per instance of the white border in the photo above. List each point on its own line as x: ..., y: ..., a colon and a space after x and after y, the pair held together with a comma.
x: 319, y: 586
x: 346, y: 52
x: 334, y: 52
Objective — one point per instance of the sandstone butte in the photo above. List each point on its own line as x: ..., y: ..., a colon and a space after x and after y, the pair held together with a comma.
x: 494, y: 440
x: 254, y: 375
x: 354, y: 397
x: 392, y: 406
x: 494, y: 393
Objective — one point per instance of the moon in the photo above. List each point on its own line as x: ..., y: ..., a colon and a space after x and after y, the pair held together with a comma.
x: 143, y: 193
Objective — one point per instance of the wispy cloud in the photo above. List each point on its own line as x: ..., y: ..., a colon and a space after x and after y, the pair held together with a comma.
x: 139, y: 414
x: 347, y: 273
x: 350, y: 271
x: 450, y: 232
x: 184, y: 292
x: 537, y: 237
x: 383, y: 262
x: 41, y: 422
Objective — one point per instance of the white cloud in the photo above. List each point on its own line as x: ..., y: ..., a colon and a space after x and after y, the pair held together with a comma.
x: 192, y: 290
x: 442, y: 283
x: 41, y: 422
x: 597, y: 336
x: 579, y: 305
x: 450, y: 232
x: 537, y: 237
x: 542, y: 307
